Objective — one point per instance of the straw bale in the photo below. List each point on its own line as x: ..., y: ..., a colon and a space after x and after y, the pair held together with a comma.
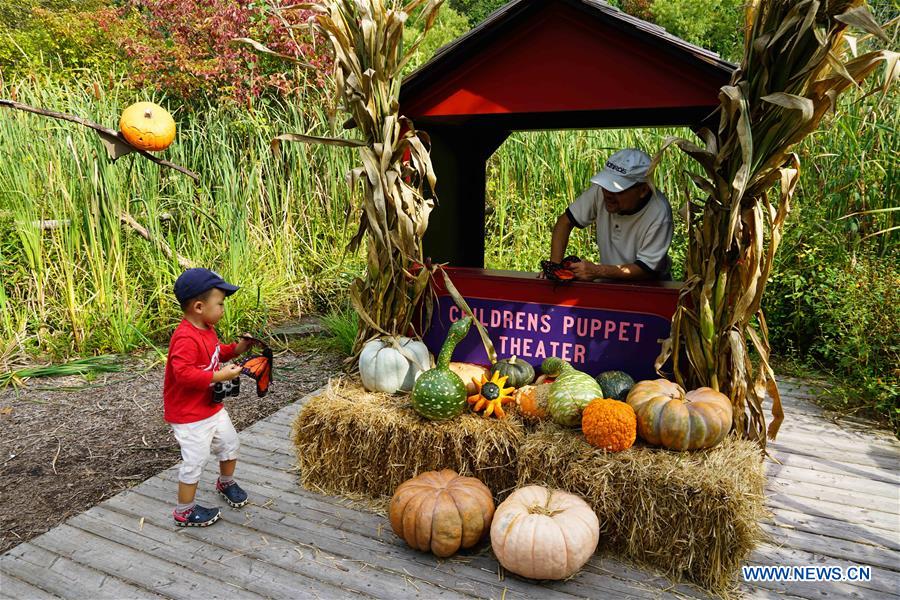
x: 695, y: 515
x: 353, y: 442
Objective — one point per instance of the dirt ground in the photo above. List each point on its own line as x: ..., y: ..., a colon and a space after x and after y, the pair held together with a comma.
x: 66, y: 444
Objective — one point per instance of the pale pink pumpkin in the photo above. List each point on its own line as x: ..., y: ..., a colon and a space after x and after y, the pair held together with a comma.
x: 544, y: 534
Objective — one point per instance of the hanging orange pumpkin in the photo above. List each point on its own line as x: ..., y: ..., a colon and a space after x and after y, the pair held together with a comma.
x: 147, y: 126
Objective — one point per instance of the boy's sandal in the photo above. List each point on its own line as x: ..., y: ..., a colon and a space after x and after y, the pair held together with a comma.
x: 233, y: 494
x: 198, y: 517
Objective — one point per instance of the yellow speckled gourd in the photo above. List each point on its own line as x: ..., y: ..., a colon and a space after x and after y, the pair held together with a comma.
x: 609, y: 424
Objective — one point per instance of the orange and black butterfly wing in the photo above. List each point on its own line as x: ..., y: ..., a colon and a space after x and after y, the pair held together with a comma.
x: 259, y: 368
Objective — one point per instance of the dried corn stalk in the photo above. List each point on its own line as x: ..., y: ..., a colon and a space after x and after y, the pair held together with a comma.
x: 795, y: 65
x: 396, y: 174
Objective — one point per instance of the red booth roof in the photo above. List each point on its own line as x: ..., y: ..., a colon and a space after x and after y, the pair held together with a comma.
x: 564, y: 56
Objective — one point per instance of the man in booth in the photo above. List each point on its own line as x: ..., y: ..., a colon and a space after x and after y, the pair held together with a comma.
x: 633, y: 218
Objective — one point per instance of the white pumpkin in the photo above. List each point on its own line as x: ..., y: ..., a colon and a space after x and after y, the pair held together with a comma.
x: 544, y: 534
x: 384, y: 368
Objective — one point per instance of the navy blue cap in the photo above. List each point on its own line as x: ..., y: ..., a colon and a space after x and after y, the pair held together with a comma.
x: 194, y: 282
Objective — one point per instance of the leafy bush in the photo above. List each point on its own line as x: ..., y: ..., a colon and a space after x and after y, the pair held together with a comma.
x: 448, y: 26
x: 188, y: 49
x: 714, y: 24
x: 66, y: 35
x: 476, y: 10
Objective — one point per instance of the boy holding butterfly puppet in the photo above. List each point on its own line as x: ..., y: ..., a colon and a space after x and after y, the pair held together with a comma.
x: 196, y: 382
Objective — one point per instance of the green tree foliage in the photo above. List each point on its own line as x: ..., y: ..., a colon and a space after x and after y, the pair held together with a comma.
x: 449, y: 26
x: 64, y: 34
x: 713, y: 24
x: 476, y: 10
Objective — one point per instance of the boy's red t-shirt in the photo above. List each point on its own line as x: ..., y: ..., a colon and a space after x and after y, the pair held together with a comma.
x: 194, y: 355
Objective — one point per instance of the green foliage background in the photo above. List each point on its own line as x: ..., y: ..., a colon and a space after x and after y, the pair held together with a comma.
x: 277, y: 222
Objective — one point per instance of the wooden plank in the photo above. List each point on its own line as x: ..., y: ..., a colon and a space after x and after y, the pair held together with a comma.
x: 478, y: 574
x: 827, y: 494
x: 276, y: 460
x: 288, y: 564
x: 264, y: 442
x: 328, y: 511
x: 611, y: 566
x: 883, y: 455
x: 834, y: 547
x: 882, y: 521
x: 152, y: 538
x: 62, y: 577
x: 870, y: 487
x: 884, y: 583
x: 781, y: 449
x: 834, y: 467
x: 16, y: 589
x: 839, y: 432
x: 836, y: 528
x: 338, y: 522
x: 140, y: 570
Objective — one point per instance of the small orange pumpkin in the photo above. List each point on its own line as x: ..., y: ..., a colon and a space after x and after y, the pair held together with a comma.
x: 441, y: 511
x: 609, y: 424
x: 147, y: 126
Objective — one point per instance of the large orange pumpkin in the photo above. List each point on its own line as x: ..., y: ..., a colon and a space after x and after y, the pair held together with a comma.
x: 441, y: 511
x: 669, y: 417
x: 147, y: 126
x: 544, y: 534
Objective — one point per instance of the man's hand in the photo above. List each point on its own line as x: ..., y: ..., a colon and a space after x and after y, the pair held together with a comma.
x: 228, y: 372
x: 244, y: 344
x: 584, y: 270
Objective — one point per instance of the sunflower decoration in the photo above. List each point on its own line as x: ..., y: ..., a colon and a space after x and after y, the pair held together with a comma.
x: 491, y: 395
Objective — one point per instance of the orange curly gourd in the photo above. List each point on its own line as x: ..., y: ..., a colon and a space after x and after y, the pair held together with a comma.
x: 609, y: 424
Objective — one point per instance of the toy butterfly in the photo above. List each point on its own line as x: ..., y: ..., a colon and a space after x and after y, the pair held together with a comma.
x: 258, y: 367
x: 559, y: 272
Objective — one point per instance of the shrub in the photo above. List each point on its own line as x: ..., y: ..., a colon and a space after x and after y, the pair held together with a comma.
x: 188, y: 49
x: 65, y: 35
x: 714, y: 24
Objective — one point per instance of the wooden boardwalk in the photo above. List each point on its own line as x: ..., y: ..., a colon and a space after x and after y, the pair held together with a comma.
x: 834, y: 494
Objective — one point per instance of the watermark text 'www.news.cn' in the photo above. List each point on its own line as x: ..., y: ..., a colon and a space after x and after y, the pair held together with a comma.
x: 806, y: 573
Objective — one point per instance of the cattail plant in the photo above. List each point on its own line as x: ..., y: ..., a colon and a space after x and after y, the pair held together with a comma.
x: 795, y: 65
x: 396, y: 175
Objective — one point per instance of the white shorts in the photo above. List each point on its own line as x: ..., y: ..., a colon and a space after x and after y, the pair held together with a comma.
x: 216, y: 434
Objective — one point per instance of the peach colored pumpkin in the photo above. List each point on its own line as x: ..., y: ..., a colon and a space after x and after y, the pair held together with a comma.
x: 467, y: 372
x: 669, y: 417
x: 544, y: 534
x: 147, y: 126
x: 441, y: 511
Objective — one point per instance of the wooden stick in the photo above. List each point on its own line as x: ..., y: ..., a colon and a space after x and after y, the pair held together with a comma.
x: 142, y: 231
x: 109, y: 136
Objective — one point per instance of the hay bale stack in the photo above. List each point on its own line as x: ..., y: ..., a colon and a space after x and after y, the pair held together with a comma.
x: 694, y: 515
x: 350, y: 441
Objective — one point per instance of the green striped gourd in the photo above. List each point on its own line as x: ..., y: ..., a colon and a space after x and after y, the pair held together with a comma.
x: 570, y: 393
x: 439, y: 393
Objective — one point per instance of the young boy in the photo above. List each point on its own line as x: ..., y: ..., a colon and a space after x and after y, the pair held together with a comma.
x: 200, y: 423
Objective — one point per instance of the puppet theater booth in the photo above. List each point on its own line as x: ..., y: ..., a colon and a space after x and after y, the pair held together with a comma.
x: 548, y: 64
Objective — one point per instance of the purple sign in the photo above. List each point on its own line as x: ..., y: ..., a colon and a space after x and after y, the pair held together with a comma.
x: 593, y: 340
